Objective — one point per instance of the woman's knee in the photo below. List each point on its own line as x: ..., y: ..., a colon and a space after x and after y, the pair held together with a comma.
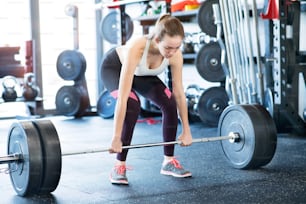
x: 133, y: 104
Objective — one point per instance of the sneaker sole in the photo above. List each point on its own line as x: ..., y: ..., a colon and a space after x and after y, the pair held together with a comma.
x: 119, y: 182
x: 169, y: 173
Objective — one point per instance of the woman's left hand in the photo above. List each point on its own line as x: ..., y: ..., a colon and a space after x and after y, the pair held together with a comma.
x: 186, y: 139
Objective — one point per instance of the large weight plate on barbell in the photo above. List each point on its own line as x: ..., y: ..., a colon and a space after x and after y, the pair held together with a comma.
x: 106, y: 105
x: 26, y: 174
x: 258, y: 136
x: 52, y: 155
x: 208, y: 62
x: 68, y: 100
x: 269, y: 142
x: 110, y: 27
x: 211, y: 104
x: 206, y: 19
x: 71, y: 65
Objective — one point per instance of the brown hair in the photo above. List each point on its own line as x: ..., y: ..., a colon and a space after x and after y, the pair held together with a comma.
x: 168, y: 25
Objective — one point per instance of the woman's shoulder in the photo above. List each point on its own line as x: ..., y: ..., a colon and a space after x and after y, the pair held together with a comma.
x: 137, y: 42
x: 135, y: 46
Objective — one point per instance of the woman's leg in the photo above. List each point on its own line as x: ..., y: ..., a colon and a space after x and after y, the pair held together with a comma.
x: 131, y: 116
x: 110, y: 73
x: 155, y: 90
x: 152, y: 88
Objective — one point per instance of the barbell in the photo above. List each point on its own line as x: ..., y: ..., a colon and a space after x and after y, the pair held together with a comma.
x: 34, y: 155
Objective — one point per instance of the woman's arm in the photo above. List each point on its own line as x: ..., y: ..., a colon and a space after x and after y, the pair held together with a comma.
x: 129, y: 65
x: 176, y: 64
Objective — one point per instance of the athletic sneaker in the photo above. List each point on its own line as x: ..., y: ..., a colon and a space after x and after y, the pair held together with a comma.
x: 118, y: 175
x: 174, y: 168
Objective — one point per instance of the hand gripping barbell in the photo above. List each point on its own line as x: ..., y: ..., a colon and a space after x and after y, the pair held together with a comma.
x: 35, y: 158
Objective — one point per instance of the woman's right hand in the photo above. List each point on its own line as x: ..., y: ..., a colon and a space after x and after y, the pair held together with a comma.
x: 116, y: 146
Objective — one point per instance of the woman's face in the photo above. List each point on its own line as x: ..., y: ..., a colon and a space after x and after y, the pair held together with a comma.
x: 169, y: 45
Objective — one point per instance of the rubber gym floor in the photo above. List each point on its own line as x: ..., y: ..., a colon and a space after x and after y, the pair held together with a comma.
x: 84, y: 178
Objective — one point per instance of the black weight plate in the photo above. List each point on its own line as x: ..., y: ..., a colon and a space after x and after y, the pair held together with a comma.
x: 71, y: 65
x: 110, y: 27
x: 52, y: 155
x: 211, y: 104
x: 84, y: 99
x: 26, y: 175
x: 67, y: 101
x: 206, y: 19
x: 257, y: 142
x: 268, y: 141
x: 281, y: 120
x: 106, y: 105
x: 208, y: 62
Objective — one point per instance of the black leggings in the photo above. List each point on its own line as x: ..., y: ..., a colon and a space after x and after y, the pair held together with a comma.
x: 150, y: 87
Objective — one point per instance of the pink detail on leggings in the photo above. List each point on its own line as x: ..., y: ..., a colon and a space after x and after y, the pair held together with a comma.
x: 114, y: 94
x: 132, y: 95
x: 167, y: 92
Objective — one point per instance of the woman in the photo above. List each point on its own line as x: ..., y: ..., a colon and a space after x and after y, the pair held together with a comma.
x: 134, y: 68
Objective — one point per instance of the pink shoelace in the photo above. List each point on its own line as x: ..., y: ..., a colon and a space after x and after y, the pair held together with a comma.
x: 121, y: 169
x: 176, y: 163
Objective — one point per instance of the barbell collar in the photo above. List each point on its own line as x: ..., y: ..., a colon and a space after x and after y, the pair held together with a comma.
x: 232, y: 137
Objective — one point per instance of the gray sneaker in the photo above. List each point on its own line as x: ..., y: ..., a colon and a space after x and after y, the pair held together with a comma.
x: 118, y: 175
x: 174, y: 168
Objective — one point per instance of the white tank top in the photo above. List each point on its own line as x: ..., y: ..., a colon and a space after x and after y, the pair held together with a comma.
x: 143, y: 70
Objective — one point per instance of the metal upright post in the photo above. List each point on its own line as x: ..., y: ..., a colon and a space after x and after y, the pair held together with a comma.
x: 99, y: 48
x: 35, y: 36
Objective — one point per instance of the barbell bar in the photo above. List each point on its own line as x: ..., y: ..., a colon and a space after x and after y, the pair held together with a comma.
x: 9, y: 158
x: 232, y: 137
x: 34, y: 155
